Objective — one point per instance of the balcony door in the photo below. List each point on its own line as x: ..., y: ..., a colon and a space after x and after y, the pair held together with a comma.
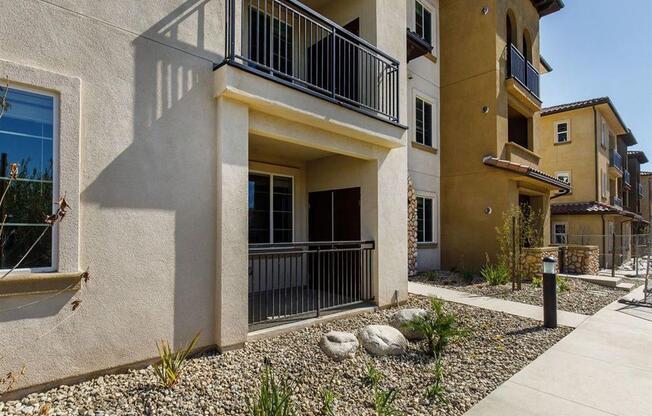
x: 334, y: 215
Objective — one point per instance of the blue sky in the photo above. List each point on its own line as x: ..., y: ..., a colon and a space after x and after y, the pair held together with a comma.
x: 602, y: 48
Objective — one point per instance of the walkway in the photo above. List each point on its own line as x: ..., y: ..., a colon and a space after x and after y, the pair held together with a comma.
x: 601, y: 368
x: 569, y: 319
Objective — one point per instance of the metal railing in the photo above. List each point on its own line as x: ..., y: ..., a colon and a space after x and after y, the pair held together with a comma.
x: 288, y: 42
x: 640, y: 190
x: 626, y: 177
x: 617, y: 201
x: 291, y: 280
x: 615, y: 159
x: 522, y: 71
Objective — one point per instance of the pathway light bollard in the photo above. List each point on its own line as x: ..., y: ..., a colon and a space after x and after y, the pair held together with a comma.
x: 549, y: 293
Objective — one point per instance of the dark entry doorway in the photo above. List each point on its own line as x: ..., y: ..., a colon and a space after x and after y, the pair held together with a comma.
x: 334, y: 215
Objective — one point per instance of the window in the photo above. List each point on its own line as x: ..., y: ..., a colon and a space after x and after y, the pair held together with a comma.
x: 605, y: 135
x: 564, y: 177
x: 560, y: 233
x: 425, y: 219
x: 264, y: 35
x: 423, y: 127
x: 562, y: 132
x: 605, y: 184
x: 423, y: 22
x: 27, y: 137
x: 270, y: 208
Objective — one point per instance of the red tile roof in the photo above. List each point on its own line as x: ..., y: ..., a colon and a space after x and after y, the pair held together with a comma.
x: 638, y: 154
x: 589, y: 207
x: 525, y: 170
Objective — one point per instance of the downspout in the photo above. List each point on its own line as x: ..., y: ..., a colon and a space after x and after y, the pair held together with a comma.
x: 597, y: 168
x: 561, y: 193
x: 604, y: 238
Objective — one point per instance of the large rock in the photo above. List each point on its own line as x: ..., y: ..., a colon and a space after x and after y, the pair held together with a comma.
x: 339, y: 345
x: 402, y: 317
x: 382, y: 340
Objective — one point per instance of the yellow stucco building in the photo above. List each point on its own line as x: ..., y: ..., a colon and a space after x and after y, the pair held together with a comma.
x: 585, y: 144
x: 490, y: 153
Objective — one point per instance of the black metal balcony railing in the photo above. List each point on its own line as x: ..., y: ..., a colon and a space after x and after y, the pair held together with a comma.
x: 288, y: 42
x: 291, y: 279
x: 615, y: 159
x: 617, y: 201
x: 640, y: 190
x: 626, y: 178
x: 522, y: 71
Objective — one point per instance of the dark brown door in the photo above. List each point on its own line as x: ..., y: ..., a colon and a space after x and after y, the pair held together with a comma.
x: 334, y: 215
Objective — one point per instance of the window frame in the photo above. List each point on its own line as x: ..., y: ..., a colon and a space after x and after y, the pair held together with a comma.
x: 555, y: 233
x: 271, y: 177
x: 435, y: 209
x: 557, y: 132
x: 434, y: 122
x: 604, y: 135
x: 566, y: 173
x: 56, y: 108
x: 427, y: 9
x: 604, y: 183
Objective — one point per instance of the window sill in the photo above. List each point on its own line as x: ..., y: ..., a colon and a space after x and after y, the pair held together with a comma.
x: 561, y: 143
x: 427, y: 245
x: 35, y: 283
x: 424, y: 147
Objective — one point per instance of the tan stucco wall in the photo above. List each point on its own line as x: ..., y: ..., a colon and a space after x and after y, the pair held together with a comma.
x: 473, y: 70
x: 162, y: 168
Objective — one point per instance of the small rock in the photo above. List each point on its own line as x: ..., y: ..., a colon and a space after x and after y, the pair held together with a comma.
x: 402, y: 317
x: 382, y: 340
x: 339, y: 345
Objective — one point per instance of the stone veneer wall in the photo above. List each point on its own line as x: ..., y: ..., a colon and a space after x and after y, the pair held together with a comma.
x: 412, y: 228
x: 532, y: 260
x: 581, y: 259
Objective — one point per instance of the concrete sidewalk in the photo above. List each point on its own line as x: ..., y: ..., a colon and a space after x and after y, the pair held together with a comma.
x: 569, y: 319
x: 601, y: 368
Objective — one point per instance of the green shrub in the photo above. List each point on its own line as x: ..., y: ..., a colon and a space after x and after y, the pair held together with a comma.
x: 562, y: 284
x: 384, y: 402
x: 436, y: 390
x: 373, y: 376
x: 537, y: 281
x: 438, y: 327
x: 495, y: 274
x: 467, y: 277
x: 273, y: 399
x: 168, y: 369
x: 328, y: 398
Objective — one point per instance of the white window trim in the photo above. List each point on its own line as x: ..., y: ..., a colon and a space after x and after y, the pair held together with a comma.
x: 564, y: 173
x: 67, y: 169
x: 568, y: 131
x: 555, y: 234
x: 435, y: 117
x: 55, y: 180
x: 271, y: 202
x: 604, y: 183
x: 435, y: 216
x: 430, y: 9
x: 604, y: 135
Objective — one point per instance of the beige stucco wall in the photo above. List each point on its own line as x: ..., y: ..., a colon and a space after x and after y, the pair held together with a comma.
x: 162, y: 180
x: 473, y: 72
x: 423, y: 165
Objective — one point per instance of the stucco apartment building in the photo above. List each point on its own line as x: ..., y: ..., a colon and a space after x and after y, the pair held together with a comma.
x: 490, y: 104
x: 230, y: 164
x: 586, y: 145
x: 646, y: 198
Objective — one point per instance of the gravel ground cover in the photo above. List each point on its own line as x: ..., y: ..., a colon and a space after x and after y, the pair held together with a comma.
x: 218, y: 384
x: 581, y: 297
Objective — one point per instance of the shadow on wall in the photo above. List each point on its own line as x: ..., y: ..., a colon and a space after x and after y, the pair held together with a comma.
x: 169, y: 167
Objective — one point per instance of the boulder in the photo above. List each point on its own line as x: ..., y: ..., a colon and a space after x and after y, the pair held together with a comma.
x: 382, y: 340
x: 400, y: 318
x: 339, y: 345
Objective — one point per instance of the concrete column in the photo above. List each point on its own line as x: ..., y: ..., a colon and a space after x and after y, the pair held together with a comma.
x: 231, y: 307
x: 391, y: 228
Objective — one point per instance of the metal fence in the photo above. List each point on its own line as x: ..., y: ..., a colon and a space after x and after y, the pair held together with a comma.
x: 290, y: 43
x: 624, y: 254
x: 522, y: 70
x: 290, y: 281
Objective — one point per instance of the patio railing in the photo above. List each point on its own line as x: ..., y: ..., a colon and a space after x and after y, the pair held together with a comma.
x: 288, y: 42
x: 523, y: 71
x: 294, y: 280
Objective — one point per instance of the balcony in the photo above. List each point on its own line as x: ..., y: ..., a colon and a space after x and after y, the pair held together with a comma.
x: 627, y: 180
x: 522, y: 71
x: 617, y: 201
x: 291, y: 44
x: 615, y: 163
x: 640, y: 190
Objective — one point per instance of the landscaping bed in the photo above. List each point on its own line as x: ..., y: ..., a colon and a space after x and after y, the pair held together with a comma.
x: 581, y: 297
x: 497, y: 347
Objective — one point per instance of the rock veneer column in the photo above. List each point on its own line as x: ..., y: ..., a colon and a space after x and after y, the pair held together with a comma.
x: 412, y: 228
x: 532, y: 260
x: 581, y: 259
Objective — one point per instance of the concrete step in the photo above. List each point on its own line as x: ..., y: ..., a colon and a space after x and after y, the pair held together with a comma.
x: 607, y: 281
x: 625, y: 286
